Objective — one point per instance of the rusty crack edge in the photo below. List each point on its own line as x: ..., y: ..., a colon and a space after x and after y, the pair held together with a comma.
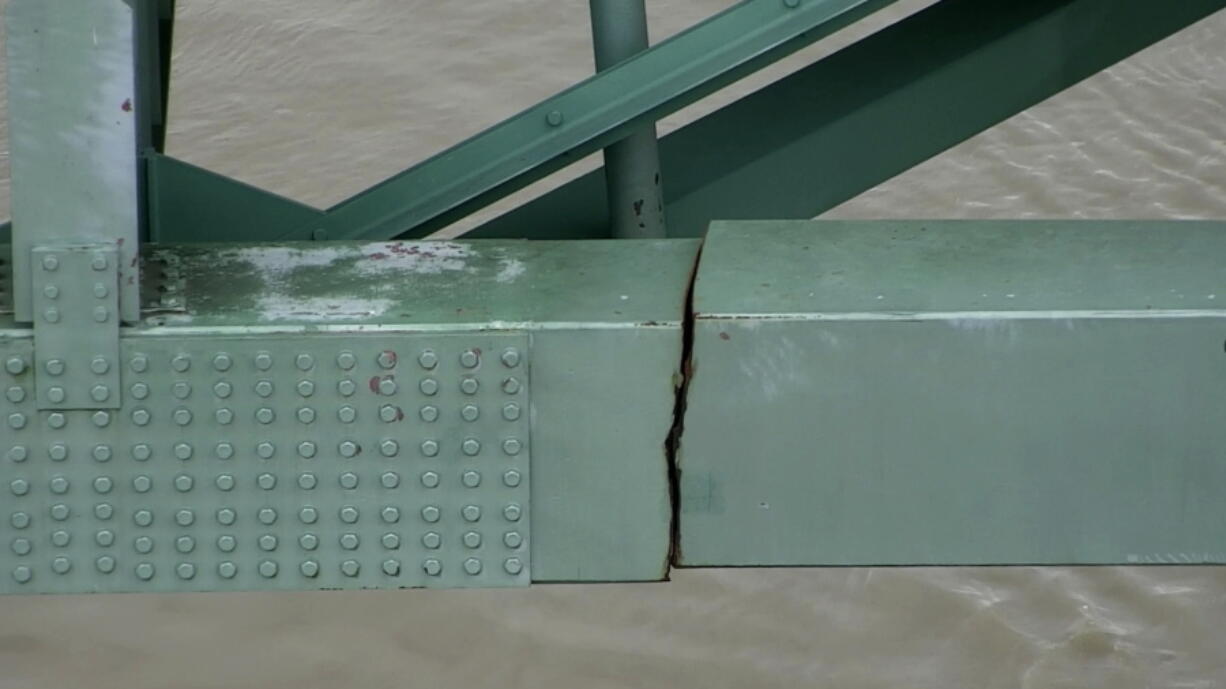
x: 672, y: 446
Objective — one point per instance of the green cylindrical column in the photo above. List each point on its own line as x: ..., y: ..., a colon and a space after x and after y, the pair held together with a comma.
x: 632, y: 165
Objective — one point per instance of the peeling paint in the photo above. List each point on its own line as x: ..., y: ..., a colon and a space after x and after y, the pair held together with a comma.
x: 511, y: 269
x: 419, y: 258
x: 280, y: 307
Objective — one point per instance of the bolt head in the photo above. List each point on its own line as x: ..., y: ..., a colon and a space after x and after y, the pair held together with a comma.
x: 15, y: 365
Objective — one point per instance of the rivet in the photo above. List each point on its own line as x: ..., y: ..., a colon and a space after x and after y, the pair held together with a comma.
x: 347, y: 448
x: 386, y: 359
x: 511, y: 446
x: 19, y: 487
x: 222, y: 362
x: 348, y: 480
x: 145, y: 571
x: 472, y: 539
x: 510, y: 386
x: 390, y: 541
x: 52, y: 315
x: 140, y: 391
x: 512, y: 539
x: 227, y: 570
x: 429, y: 479
x: 140, y: 417
x: 181, y: 362
x: 350, y: 568
x: 513, y: 566
x: 226, y: 516
x: 429, y: 413
x: 139, y: 363
x: 99, y: 263
x: 142, y: 517
x: 304, y: 362
x: 510, y: 357
x: 554, y: 118
x: 182, y: 390
x: 432, y: 540
x: 268, y: 569
x: 60, y: 512
x: 309, y: 568
x: 104, y: 511
x: 15, y: 394
x: 263, y: 361
x: 58, y: 452
x: 19, y: 520
x: 306, y: 415
x: 22, y: 546
x: 306, y: 449
x: 389, y: 448
x: 55, y: 367
x: 471, y: 447
x: 226, y: 544
x: 432, y: 567
x: 470, y: 412
x: 267, y: 542
x: 99, y: 365
x: 471, y: 479
x: 59, y: 485
x: 512, y: 478
x: 224, y: 416
x: 306, y: 388
x: 391, y: 567
x: 223, y: 389
x: 185, y: 544
x: 61, y: 565
x: 186, y: 570
x: 346, y: 414
x: 349, y: 541
x: 390, y: 479
x: 101, y: 314
x: 105, y: 564
x: 512, y: 512
x: 56, y: 420
x: 428, y: 359
x: 349, y: 514
x: 346, y: 360
x: 100, y: 290
x: 101, y: 419
x: 15, y: 365
x: 141, y: 452
x: 429, y: 448
x: 100, y: 393
x: 346, y: 388
x: 51, y: 292
x: 428, y: 386
x: 182, y: 416
x: 224, y: 450
x: 430, y: 513
x: 105, y: 538
x: 51, y: 263
x: 470, y: 359
x: 17, y: 421
x: 60, y: 538
x: 308, y: 541
x: 471, y: 513
x: 183, y: 483
x: 265, y: 450
x: 22, y: 574
x: 308, y: 515
x: 390, y: 515
x: 388, y: 413
x: 473, y: 566
x: 267, y: 516
x: 510, y: 412
x: 225, y: 482
x: 18, y: 453
x: 264, y: 388
x: 387, y: 387
x: 183, y: 451
x: 103, y: 485
x: 265, y: 415
x: 143, y: 545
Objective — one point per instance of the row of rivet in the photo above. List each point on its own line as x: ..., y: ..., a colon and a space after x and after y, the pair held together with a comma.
x: 226, y: 543
x: 345, y: 361
x: 266, y: 450
x: 266, y: 415
x: 184, y: 483
x: 225, y: 516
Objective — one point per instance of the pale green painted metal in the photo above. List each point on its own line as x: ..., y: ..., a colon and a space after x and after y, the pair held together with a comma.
x: 72, y: 127
x: 839, y: 127
x: 636, y: 201
x: 924, y: 393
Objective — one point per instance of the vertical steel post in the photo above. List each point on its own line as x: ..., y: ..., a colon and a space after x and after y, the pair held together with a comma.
x: 632, y: 165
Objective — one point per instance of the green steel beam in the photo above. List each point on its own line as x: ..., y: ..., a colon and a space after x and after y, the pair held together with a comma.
x: 155, y: 21
x: 857, y: 118
x: 590, y: 115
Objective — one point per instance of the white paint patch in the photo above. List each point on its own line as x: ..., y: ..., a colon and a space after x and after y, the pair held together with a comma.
x: 279, y: 307
x: 511, y: 269
x: 416, y: 258
x: 275, y: 263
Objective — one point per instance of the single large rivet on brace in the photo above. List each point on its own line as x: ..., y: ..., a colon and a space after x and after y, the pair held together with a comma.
x: 51, y: 263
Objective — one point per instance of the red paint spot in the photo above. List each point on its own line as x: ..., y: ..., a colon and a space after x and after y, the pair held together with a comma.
x: 725, y: 336
x: 399, y: 414
x: 374, y: 384
x: 127, y: 105
x: 378, y: 256
x: 391, y: 355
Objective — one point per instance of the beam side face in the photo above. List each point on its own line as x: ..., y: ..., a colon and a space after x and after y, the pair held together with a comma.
x: 948, y: 427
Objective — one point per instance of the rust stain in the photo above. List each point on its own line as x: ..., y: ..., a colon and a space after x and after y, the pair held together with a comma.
x: 127, y: 105
x: 391, y: 355
x: 378, y: 256
x: 374, y: 384
x: 725, y: 336
x: 638, y: 207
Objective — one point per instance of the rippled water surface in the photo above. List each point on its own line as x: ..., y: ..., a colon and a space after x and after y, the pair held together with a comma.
x: 318, y: 99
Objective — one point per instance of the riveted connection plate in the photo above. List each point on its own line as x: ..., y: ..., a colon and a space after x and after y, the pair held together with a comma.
x: 280, y: 462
